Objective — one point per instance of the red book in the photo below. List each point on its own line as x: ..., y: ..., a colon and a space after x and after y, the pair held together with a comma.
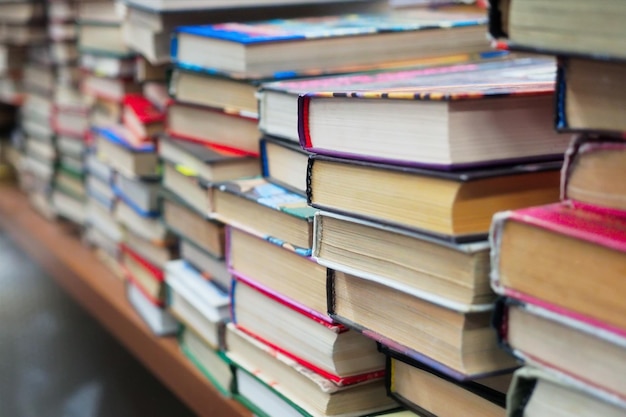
x: 290, y: 329
x: 142, y: 118
x: 563, y: 258
x: 148, y: 278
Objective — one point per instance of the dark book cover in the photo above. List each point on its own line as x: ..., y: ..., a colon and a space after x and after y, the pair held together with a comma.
x: 265, y: 169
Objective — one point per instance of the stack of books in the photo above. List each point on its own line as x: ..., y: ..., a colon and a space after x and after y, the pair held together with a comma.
x: 558, y: 267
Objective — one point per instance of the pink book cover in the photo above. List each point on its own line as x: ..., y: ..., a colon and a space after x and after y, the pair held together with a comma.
x: 589, y: 224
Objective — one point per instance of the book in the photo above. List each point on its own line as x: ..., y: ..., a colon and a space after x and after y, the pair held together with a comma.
x: 339, y: 355
x: 284, y: 163
x: 149, y: 228
x: 460, y: 344
x: 561, y: 233
x: 197, y: 302
x: 294, y: 276
x: 266, y: 210
x: 156, y: 6
x: 590, y: 94
x: 145, y: 72
x: 274, y: 384
x: 156, y: 255
x: 213, y: 364
x: 211, y: 164
x: 157, y: 319
x: 114, y: 149
x: 209, y: 266
x: 111, y: 89
x: 100, y: 11
x: 67, y: 207
x: 288, y: 47
x: 21, y: 12
x: 560, y: 28
x: 466, y: 200
x: 455, y: 275
x: 543, y: 336
x: 538, y: 393
x: 142, y: 118
x: 484, y: 113
x: 98, y: 168
x: 104, y: 113
x: 590, y: 172
x: 99, y: 217
x: 189, y: 188
x: 194, y: 226
x: 107, y: 65
x: 142, y: 195
x: 430, y: 393
x: 102, y: 38
x: 204, y: 125
x: 212, y: 90
x: 144, y: 275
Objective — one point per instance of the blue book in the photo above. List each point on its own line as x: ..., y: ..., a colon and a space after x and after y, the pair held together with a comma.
x: 284, y: 48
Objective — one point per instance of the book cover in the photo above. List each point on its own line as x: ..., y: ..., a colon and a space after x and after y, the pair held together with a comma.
x: 521, y: 77
x: 118, y: 135
x: 143, y: 109
x: 259, y: 191
x: 491, y: 395
x: 205, y: 153
x: 592, y: 226
x: 154, y: 214
x: 153, y: 270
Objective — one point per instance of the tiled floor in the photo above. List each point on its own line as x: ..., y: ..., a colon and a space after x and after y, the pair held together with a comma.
x: 56, y: 361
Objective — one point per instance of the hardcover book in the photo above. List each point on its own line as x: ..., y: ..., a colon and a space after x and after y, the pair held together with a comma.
x: 591, y: 96
x: 283, y: 48
x: 484, y: 113
x: 465, y: 200
x: 591, y: 173
x: 145, y: 276
x: 542, y: 335
x: 284, y: 163
x: 286, y: 272
x: 212, y: 164
x: 209, y: 266
x: 339, y: 355
x: 453, y: 275
x: 158, y: 320
x: 277, y: 385
x: 141, y: 195
x: 142, y: 118
x: 460, y: 344
x: 266, y: 210
x: 429, y: 392
x: 539, y: 393
x: 189, y: 188
x: 569, y: 245
x: 559, y: 28
x: 233, y: 133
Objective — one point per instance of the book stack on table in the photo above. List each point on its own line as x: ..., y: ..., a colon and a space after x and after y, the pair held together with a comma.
x: 558, y: 266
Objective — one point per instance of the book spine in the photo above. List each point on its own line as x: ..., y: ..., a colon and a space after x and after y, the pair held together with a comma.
x: 495, y: 241
x: 560, y: 112
x: 304, y: 135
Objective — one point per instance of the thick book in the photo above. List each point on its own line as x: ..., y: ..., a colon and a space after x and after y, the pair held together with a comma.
x: 212, y: 164
x: 484, y: 113
x: 191, y: 189
x: 543, y: 335
x: 266, y: 210
x: 276, y: 385
x: 148, y: 228
x: 342, y: 356
x: 460, y: 344
x: 559, y: 28
x: 537, y: 392
x: 590, y: 96
x: 284, y: 163
x: 568, y: 244
x: 288, y: 47
x: 114, y: 148
x: 209, y: 266
x: 210, y: 126
x: 453, y: 275
x: 591, y: 173
x: 286, y: 272
x: 108, y: 66
x: 428, y: 392
x: 102, y: 38
x: 465, y: 200
x: 141, y: 195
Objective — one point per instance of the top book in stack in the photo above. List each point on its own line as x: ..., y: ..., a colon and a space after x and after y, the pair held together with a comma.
x: 283, y: 48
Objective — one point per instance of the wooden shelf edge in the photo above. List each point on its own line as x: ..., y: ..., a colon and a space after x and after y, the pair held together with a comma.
x: 76, y: 268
